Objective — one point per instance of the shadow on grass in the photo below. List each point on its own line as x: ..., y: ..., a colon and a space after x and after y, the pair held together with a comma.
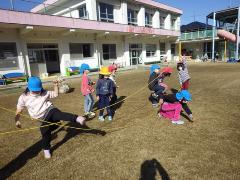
x: 22, y: 159
x: 150, y: 169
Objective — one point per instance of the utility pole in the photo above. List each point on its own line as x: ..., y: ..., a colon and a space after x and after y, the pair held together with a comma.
x: 12, y: 6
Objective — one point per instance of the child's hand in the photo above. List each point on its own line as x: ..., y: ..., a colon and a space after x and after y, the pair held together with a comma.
x: 117, y: 86
x: 56, y: 82
x: 18, y: 124
x: 97, y: 98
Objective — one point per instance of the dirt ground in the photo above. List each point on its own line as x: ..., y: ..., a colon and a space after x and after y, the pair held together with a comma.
x: 137, y: 141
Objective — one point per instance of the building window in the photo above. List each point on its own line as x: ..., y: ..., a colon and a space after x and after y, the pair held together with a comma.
x: 173, y: 23
x: 8, y: 56
x: 109, y: 51
x: 162, y: 48
x: 132, y: 17
x: 106, y: 12
x: 151, y: 50
x: 162, y: 22
x: 173, y: 49
x: 148, y: 20
x: 83, y: 12
x: 80, y: 51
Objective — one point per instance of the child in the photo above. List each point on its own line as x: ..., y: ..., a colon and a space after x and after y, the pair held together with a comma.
x: 112, y: 69
x: 153, y: 82
x: 36, y: 100
x: 183, y: 75
x: 104, y: 91
x: 165, y: 72
x: 87, y: 90
x: 173, y: 104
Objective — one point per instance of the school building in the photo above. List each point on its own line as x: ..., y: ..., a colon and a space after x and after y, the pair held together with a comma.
x: 58, y: 34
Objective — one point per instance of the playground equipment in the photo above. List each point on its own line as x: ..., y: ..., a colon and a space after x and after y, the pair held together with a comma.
x: 227, y: 35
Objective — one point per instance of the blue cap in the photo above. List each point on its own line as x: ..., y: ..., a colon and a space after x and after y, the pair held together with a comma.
x: 154, y: 67
x: 34, y: 84
x: 84, y: 67
x: 184, y: 94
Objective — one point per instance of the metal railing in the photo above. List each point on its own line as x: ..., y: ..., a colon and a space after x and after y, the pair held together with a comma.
x: 196, y: 35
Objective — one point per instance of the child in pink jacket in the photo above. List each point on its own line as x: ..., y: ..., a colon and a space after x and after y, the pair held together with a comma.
x: 87, y: 90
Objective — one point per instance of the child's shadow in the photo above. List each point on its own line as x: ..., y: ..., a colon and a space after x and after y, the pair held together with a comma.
x: 71, y: 132
x: 20, y: 161
x: 150, y: 168
x: 118, y: 104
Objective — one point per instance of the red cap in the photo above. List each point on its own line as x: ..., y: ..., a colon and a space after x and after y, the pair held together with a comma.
x: 167, y: 70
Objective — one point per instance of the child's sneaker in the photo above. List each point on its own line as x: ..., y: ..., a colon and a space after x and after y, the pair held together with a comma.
x: 92, y: 114
x: 47, y: 154
x: 101, y: 118
x: 179, y: 122
x: 154, y: 95
x: 110, y: 118
x: 154, y: 105
x: 191, y: 117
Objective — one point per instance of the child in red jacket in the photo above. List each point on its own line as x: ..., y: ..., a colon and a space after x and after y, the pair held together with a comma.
x: 87, y: 90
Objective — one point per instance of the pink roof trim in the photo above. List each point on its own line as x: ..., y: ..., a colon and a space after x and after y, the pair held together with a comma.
x: 33, y: 19
x: 160, y: 6
x: 147, y: 2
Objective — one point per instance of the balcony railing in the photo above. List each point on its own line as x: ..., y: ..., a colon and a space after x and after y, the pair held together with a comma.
x: 132, y: 21
x: 197, y: 35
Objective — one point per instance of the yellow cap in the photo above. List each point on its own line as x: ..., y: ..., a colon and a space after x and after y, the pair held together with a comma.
x: 104, y: 71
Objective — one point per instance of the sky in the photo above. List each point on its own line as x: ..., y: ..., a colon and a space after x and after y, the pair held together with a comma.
x: 192, y: 9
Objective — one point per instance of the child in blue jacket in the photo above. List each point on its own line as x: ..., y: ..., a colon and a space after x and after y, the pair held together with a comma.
x: 104, y: 91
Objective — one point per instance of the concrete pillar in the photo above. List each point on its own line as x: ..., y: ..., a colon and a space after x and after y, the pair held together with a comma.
x: 124, y: 12
x: 238, y: 39
x: 168, y: 22
x: 91, y: 6
x: 156, y: 19
x: 141, y: 17
x: 168, y: 51
x: 158, y: 52
x: 213, y: 35
x: 126, y: 54
x: 178, y: 24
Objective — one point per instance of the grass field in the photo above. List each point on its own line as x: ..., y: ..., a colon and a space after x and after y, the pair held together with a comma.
x: 137, y: 141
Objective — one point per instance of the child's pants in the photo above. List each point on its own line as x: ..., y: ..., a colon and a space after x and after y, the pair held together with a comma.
x: 185, y: 85
x: 88, y: 103
x: 53, y: 116
x: 171, y: 111
x: 104, y: 101
x: 159, y: 89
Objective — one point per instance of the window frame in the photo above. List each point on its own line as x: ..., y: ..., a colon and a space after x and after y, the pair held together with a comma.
x: 132, y: 18
x: 85, y: 13
x: 78, y: 53
x: 148, y: 19
x: 107, y: 13
x: 112, y: 54
x: 151, y: 53
x: 4, y: 56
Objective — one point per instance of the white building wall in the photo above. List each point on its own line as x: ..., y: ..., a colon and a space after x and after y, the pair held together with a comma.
x: 141, y: 17
x: 64, y: 51
x: 156, y: 19
x: 168, y: 51
x: 91, y: 6
x: 123, y: 12
x: 168, y: 22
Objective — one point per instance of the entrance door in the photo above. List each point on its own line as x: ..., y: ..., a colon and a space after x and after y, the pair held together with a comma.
x: 52, y: 61
x: 43, y: 58
x: 135, y: 54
